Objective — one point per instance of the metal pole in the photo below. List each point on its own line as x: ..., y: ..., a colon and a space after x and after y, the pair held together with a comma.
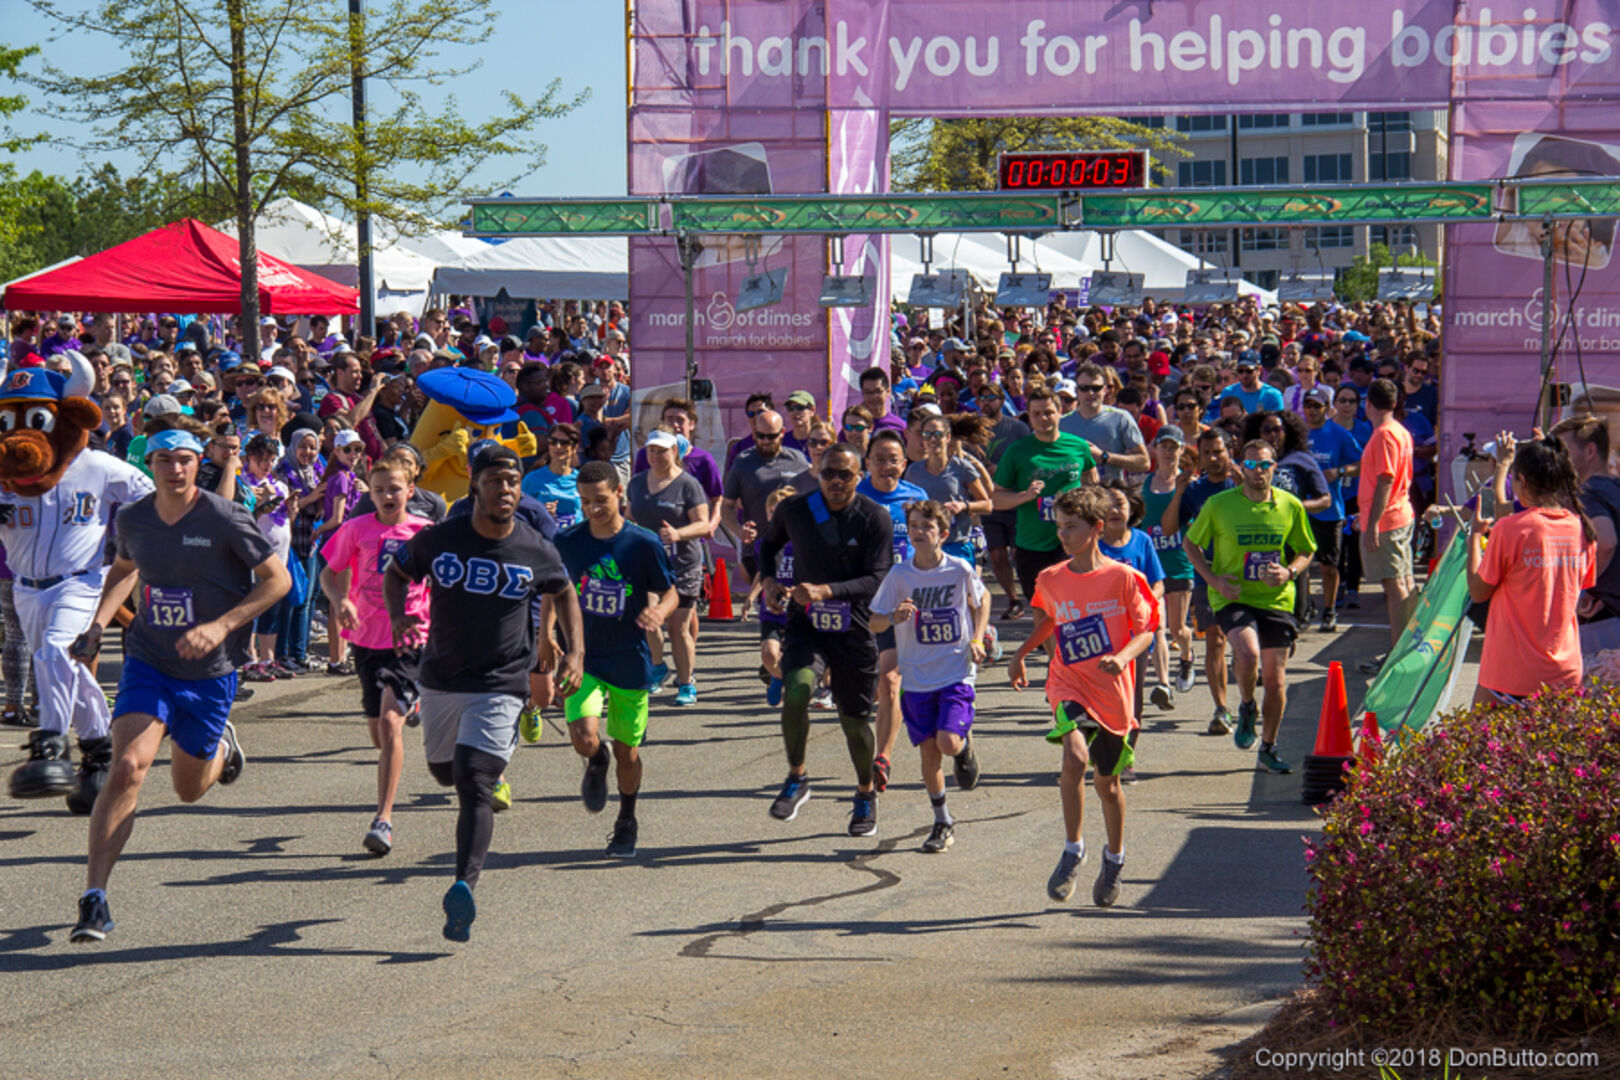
x: 368, y: 315
x: 1544, y: 406
x: 1236, y: 260
x: 689, y: 249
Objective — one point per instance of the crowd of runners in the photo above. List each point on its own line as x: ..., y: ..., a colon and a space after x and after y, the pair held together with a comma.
x: 1109, y: 487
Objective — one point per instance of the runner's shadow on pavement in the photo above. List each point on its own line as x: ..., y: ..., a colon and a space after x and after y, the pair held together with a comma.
x: 1224, y: 871
x: 273, y: 940
x: 1260, y: 969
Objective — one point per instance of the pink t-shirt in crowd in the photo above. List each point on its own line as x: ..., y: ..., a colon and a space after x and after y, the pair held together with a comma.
x: 365, y: 546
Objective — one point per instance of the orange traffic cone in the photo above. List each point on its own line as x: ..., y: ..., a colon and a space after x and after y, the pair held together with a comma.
x: 1372, y: 739
x: 1325, y: 768
x: 1333, y: 729
x: 720, y: 593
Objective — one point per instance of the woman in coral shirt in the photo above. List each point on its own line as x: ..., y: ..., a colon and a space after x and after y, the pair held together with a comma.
x: 1532, y: 570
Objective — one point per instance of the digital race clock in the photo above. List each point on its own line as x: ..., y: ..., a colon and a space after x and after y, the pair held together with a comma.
x: 1089, y: 170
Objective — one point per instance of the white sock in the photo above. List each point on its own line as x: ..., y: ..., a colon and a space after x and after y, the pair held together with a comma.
x: 1117, y: 860
x: 1076, y: 848
x: 941, y: 815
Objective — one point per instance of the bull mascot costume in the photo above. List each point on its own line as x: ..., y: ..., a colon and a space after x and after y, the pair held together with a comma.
x: 56, y: 498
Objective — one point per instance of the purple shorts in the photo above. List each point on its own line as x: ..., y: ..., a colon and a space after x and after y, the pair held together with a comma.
x: 927, y: 713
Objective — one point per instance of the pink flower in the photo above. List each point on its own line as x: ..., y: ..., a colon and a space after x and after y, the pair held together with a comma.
x: 1365, y: 828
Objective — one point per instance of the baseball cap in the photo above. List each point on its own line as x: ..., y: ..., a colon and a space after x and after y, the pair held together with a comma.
x: 496, y: 456
x: 667, y: 439
x: 346, y: 437
x: 1066, y: 386
x: 510, y: 344
x: 1171, y: 433
x: 173, y: 439
x: 161, y: 405
x: 423, y: 341
x: 537, y: 331
x: 1319, y: 393
x: 181, y: 386
x: 955, y: 345
x: 279, y: 372
x: 927, y: 409
x: 592, y: 390
x: 801, y: 397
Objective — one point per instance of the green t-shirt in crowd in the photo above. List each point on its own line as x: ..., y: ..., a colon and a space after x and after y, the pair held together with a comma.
x: 1060, y: 464
x: 1244, y: 535
x: 1171, y: 556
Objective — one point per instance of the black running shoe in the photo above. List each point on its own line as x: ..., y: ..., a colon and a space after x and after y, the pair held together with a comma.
x: 95, y: 920
x: 593, y: 788
x: 234, y: 758
x: 794, y: 794
x: 943, y: 835
x: 863, y: 817
x: 967, y: 766
x: 622, y: 841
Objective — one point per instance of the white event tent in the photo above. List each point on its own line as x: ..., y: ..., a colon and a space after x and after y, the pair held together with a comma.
x: 1067, y: 256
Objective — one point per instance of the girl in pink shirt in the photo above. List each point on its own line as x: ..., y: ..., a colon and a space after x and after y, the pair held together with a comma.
x: 1532, y: 569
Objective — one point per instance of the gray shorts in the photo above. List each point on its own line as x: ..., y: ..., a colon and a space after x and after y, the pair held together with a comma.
x: 1391, y: 560
x: 486, y: 722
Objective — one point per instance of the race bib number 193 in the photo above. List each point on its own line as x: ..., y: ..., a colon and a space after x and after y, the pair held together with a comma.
x: 830, y: 616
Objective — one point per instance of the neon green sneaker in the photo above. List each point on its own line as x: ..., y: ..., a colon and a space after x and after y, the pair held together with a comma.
x: 529, y: 724
x: 501, y: 797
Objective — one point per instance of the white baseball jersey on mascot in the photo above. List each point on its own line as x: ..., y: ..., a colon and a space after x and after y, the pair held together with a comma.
x: 54, y: 544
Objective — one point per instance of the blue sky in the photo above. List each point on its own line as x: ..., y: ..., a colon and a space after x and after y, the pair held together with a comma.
x: 578, y: 41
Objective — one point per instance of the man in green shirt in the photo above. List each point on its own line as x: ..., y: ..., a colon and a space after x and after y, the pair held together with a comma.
x: 1260, y: 541
x: 1032, y: 473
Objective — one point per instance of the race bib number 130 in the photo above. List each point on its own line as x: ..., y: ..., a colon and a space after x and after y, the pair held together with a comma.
x: 1083, y: 639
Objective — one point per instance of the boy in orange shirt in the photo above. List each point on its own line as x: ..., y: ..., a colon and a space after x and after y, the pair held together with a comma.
x: 1103, y: 614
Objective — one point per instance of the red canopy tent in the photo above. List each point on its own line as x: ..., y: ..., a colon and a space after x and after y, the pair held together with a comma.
x: 185, y: 267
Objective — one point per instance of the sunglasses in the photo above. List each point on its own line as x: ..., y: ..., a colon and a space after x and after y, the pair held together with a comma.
x: 267, y: 408
x: 935, y: 436
x: 839, y: 474
x: 800, y: 408
x: 754, y: 412
x: 819, y: 444
x: 1314, y: 405
x: 565, y: 443
x: 1203, y: 387
x: 1260, y: 466
x: 1186, y: 406
x: 768, y: 436
x: 1092, y: 389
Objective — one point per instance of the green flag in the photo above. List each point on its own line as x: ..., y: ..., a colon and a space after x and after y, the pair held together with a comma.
x: 1420, y: 673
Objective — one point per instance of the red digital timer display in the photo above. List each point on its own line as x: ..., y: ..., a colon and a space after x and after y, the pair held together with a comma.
x: 1086, y: 171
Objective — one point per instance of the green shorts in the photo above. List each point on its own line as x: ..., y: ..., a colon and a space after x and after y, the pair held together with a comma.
x: 626, y: 710
x: 1110, y: 754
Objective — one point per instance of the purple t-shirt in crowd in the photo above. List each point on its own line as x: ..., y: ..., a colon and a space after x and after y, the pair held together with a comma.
x: 341, y: 487
x: 698, y: 463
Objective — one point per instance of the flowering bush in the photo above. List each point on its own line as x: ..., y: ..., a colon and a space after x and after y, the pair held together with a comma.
x: 1477, y: 875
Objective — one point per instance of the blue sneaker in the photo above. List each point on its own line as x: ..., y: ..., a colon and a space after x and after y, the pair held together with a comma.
x: 863, y: 818
x: 773, y: 693
x: 459, y: 912
x: 660, y: 673
x: 785, y: 807
x: 686, y: 694
x: 1248, y: 718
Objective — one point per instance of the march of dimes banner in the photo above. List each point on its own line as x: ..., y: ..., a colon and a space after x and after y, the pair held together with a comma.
x: 795, y: 96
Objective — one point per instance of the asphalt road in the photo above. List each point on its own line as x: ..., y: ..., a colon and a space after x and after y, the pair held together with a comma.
x: 255, y: 938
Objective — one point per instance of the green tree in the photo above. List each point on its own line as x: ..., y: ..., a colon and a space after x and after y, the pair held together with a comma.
x: 252, y: 98
x: 1359, y: 281
x: 15, y: 198
x: 961, y: 154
